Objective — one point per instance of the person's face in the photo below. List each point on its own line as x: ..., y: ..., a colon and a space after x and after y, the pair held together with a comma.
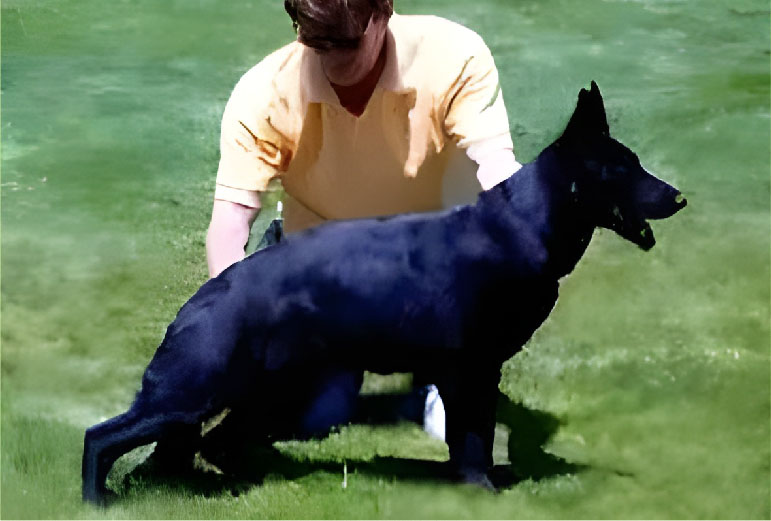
x: 348, y: 67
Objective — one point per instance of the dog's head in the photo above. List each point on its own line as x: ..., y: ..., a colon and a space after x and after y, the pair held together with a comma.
x: 617, y: 192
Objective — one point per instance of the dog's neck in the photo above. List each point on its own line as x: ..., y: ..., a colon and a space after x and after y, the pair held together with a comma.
x: 541, y: 196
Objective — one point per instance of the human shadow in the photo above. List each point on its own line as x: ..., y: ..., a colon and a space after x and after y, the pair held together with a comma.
x: 237, y: 466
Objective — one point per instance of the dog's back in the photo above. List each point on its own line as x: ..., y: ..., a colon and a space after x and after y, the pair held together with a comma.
x: 372, y: 290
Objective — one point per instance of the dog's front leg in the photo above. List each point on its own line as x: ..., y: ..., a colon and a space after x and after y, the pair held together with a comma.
x: 470, y: 429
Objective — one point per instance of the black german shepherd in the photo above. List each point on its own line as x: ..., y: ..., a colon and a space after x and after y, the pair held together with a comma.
x: 451, y: 294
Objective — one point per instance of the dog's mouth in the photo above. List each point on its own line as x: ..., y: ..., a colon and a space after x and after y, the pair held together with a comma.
x: 644, y: 237
x: 637, y: 229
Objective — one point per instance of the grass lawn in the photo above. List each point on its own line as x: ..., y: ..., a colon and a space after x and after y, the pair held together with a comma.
x: 646, y: 393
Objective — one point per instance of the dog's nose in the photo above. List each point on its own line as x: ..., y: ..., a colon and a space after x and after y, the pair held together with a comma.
x: 680, y: 199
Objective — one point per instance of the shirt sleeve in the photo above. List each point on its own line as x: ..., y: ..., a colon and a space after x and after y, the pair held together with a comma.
x: 252, y: 151
x: 250, y: 198
x: 475, y: 110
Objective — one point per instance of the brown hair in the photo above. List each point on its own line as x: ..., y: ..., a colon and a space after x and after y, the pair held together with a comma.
x: 329, y: 24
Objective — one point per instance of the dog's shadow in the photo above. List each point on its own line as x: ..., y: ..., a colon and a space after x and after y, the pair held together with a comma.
x: 530, y: 429
x: 251, y: 465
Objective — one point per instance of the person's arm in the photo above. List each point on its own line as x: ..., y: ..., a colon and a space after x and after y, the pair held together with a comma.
x: 476, y: 116
x: 496, y: 166
x: 228, y: 233
x: 252, y: 153
x: 496, y: 161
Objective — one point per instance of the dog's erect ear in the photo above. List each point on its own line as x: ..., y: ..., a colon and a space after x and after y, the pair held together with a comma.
x: 589, y: 118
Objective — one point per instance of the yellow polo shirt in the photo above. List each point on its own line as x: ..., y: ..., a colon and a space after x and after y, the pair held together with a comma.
x: 437, y: 96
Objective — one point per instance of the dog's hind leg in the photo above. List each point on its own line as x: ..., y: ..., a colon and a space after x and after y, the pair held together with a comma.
x: 106, y: 442
x: 155, y: 415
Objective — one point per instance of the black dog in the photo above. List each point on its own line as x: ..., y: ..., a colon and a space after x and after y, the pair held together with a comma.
x: 466, y: 287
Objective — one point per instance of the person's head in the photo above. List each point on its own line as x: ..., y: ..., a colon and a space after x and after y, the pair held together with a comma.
x: 334, y: 24
x: 348, y: 34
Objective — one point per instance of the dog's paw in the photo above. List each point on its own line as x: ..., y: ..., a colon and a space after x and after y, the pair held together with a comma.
x: 99, y: 498
x: 503, y: 477
x: 477, y: 478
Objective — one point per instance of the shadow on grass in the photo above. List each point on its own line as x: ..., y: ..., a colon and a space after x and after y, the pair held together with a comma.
x: 530, y: 430
x: 245, y: 465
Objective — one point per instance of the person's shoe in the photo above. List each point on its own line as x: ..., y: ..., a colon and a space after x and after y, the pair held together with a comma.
x: 433, y: 413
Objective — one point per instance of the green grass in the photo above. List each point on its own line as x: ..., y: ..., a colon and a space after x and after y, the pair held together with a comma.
x: 645, y: 394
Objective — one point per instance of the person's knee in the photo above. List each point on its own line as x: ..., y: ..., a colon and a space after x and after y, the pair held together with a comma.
x: 273, y: 234
x: 334, y: 402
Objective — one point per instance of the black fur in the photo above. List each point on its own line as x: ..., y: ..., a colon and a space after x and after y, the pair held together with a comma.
x: 451, y: 294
